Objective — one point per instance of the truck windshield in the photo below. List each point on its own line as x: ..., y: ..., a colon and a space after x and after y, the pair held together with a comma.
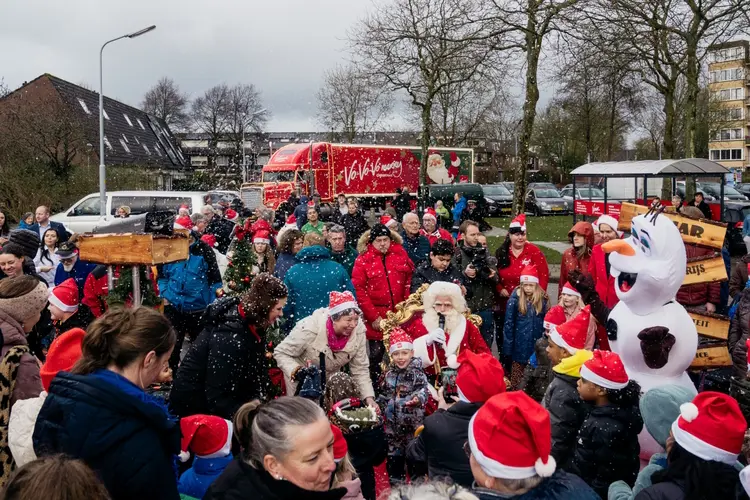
x: 279, y: 176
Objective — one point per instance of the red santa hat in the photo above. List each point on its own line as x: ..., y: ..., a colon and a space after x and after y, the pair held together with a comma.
x: 606, y: 370
x: 569, y: 290
x: 183, y: 222
x: 711, y: 427
x: 65, y: 296
x: 340, y: 448
x: 479, y: 377
x: 511, y: 437
x: 63, y: 354
x: 311, y: 204
x: 230, y: 214
x: 388, y: 221
x: 529, y: 275
x: 555, y: 316
x: 262, y: 236
x: 207, y: 436
x: 400, y: 341
x: 455, y: 160
x: 184, y: 206
x: 429, y: 213
x: 291, y: 220
x: 519, y: 221
x: 209, y: 239
x: 571, y: 335
x: 341, y: 301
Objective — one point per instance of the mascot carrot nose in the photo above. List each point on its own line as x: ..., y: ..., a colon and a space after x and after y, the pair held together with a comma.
x: 618, y: 246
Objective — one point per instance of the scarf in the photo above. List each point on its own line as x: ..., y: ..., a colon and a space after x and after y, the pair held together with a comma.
x: 335, y: 342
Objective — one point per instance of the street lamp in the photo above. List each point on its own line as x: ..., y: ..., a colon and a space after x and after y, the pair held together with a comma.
x: 102, y: 170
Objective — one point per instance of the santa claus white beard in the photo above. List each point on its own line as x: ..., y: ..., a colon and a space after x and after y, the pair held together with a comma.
x: 431, y: 320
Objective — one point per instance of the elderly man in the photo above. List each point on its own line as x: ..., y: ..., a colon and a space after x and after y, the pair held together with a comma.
x: 219, y: 227
x: 430, y: 229
x: 416, y: 245
x: 43, y: 223
x: 340, y: 251
x: 71, y: 266
x: 442, y: 331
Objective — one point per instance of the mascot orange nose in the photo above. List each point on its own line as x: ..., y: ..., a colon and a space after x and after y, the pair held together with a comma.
x: 618, y: 246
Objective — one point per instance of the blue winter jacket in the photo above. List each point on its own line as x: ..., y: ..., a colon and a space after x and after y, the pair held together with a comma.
x: 125, y: 435
x: 81, y: 270
x: 190, y: 285
x: 458, y: 208
x: 560, y: 486
x: 521, y: 332
x: 300, y: 212
x: 195, y: 481
x: 310, y: 281
x: 418, y: 248
x: 284, y: 263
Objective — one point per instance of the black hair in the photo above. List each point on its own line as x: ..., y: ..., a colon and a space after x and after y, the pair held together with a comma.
x: 45, y: 251
x: 14, y: 249
x: 627, y: 397
x: 702, y: 478
x: 5, y: 228
x: 442, y: 247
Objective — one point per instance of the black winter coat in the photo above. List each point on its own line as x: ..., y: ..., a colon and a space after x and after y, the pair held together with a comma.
x: 607, y: 449
x: 537, y: 378
x: 222, y: 229
x: 561, y: 486
x: 130, y: 443
x: 225, y: 367
x: 739, y: 332
x: 354, y: 225
x: 425, y: 273
x: 240, y: 481
x: 666, y: 490
x: 567, y: 412
x: 441, y: 444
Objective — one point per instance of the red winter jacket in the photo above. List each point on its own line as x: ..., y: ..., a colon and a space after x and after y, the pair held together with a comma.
x: 570, y: 260
x: 95, y: 291
x: 700, y: 293
x: 439, y: 233
x: 381, y: 280
x: 510, y: 277
x: 605, y: 282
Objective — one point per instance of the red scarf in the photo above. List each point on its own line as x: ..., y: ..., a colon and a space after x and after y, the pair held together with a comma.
x: 249, y: 327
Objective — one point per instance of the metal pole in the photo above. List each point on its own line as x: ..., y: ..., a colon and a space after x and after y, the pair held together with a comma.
x: 110, y: 279
x: 575, y: 214
x: 136, y: 286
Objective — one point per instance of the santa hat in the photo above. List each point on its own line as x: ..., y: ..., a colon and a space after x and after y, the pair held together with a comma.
x: 207, y: 436
x: 712, y: 427
x: 184, y: 206
x: 341, y: 301
x: 569, y: 290
x: 555, y: 316
x: 479, y: 377
x: 605, y: 369
x: 209, y: 239
x: 571, y: 335
x: 519, y: 221
x: 529, y: 275
x: 400, y: 341
x: 429, y: 213
x: 63, y: 354
x: 183, y: 222
x: 340, y: 447
x: 291, y: 220
x: 65, y: 296
x: 230, y: 214
x: 388, y: 221
x: 262, y: 236
x: 608, y: 220
x: 511, y: 437
x: 455, y: 160
x: 311, y: 204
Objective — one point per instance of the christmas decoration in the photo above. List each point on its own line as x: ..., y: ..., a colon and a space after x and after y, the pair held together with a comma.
x: 239, y: 274
x: 123, y: 289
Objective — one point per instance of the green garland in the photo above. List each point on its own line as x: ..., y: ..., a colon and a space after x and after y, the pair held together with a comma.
x: 123, y: 290
x: 239, y: 274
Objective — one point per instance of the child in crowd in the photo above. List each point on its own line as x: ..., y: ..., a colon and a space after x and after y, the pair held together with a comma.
x: 210, y: 438
x: 570, y: 305
x: 403, y: 395
x: 567, y: 410
x: 65, y: 310
x: 55, y: 477
x: 607, y: 449
x: 538, y: 373
x: 344, y: 476
x: 524, y: 323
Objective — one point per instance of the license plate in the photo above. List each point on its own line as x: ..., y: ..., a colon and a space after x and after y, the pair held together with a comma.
x: 505, y: 209
x: 556, y: 209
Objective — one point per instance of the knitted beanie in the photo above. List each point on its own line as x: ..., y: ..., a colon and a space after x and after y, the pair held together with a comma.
x: 25, y: 306
x: 28, y: 240
x: 660, y: 407
x: 379, y: 230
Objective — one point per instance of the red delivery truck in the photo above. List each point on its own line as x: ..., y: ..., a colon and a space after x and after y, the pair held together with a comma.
x: 369, y: 172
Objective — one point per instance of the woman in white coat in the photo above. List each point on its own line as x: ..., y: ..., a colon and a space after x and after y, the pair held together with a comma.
x: 337, y: 331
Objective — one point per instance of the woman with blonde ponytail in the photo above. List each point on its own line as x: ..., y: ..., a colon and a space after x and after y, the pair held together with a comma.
x: 100, y: 413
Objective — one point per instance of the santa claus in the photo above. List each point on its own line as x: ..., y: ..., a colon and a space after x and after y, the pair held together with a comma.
x: 442, y: 330
x: 436, y: 170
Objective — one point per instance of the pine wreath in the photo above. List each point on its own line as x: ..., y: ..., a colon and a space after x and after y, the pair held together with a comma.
x: 123, y: 290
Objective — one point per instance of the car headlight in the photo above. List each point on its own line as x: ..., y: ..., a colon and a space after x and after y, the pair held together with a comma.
x: 544, y: 204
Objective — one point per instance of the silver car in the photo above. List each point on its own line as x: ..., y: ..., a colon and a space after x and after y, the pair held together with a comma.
x: 547, y: 201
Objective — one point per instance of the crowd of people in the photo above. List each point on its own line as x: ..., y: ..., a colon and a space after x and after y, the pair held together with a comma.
x: 300, y: 381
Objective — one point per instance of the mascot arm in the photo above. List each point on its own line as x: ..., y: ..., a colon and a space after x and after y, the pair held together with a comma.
x: 587, y: 288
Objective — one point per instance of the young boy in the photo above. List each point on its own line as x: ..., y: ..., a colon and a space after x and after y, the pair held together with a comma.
x: 438, y: 267
x: 210, y: 438
x: 403, y: 394
x: 567, y: 410
x: 537, y: 374
x: 65, y: 310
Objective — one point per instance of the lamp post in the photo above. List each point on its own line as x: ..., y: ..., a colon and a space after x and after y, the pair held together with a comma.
x: 102, y: 169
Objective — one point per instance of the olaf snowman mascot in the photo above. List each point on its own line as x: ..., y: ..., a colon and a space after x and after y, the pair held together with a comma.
x: 653, y: 334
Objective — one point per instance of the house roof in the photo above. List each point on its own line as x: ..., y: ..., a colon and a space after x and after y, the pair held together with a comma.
x: 699, y: 167
x: 131, y: 136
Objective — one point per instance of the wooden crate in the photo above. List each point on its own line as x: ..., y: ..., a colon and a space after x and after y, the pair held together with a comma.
x: 133, y: 248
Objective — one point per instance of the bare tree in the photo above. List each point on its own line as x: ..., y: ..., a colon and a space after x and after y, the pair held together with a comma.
x: 421, y: 47
x: 4, y: 89
x: 209, y: 116
x: 244, y: 112
x: 351, y: 102
x: 165, y: 100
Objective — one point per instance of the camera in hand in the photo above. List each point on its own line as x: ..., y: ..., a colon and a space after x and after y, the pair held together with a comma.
x: 479, y: 261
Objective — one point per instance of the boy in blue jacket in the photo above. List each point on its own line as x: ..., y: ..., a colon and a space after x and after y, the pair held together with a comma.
x: 210, y: 438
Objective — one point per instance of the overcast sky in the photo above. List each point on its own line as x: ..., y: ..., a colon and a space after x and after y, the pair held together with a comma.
x: 280, y: 46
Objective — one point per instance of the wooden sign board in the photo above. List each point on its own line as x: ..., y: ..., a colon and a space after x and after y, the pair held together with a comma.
x: 133, y: 248
x: 706, y: 270
x: 714, y: 326
x: 699, y: 231
x: 711, y: 357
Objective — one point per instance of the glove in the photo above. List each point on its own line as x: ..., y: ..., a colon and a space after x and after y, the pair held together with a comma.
x: 436, y: 335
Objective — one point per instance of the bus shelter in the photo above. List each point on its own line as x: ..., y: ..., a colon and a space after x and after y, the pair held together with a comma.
x: 640, y: 173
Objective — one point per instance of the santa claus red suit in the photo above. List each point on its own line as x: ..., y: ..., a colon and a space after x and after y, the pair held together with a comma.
x: 433, y: 343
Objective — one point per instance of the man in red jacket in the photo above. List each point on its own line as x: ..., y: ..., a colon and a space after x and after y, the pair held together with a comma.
x: 381, y: 278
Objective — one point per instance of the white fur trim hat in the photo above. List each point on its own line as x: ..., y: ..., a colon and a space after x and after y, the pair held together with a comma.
x: 340, y: 302
x: 65, y: 296
x: 207, y: 436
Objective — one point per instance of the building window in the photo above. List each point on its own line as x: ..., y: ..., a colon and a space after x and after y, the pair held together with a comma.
x: 729, y: 134
x: 222, y: 161
x: 730, y: 54
x: 727, y: 154
x: 140, y: 123
x: 83, y: 105
x: 106, y: 141
x: 148, y: 151
x: 127, y: 119
x: 728, y: 114
x: 737, y: 94
x: 124, y: 146
x: 199, y: 161
x: 726, y: 75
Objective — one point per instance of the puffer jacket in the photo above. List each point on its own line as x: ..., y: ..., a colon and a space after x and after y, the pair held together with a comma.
x: 520, y: 332
x: 309, y: 282
x: 381, y: 280
x: 399, y: 387
x: 560, y: 486
x: 570, y: 259
x: 300, y: 212
x: 309, y: 339
x: 28, y: 382
x: 739, y: 332
x: 480, y: 290
x: 566, y: 409
x: 222, y: 229
x: 607, y: 448
x: 425, y: 273
x: 418, y: 248
x: 738, y: 279
x: 190, y: 285
x: 699, y: 293
x: 605, y: 282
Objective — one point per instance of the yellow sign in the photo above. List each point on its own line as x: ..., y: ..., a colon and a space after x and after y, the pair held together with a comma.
x: 711, y: 357
x: 714, y: 326
x: 702, y: 232
x: 705, y: 270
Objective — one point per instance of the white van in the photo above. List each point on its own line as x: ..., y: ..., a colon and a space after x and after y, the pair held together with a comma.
x: 83, y: 216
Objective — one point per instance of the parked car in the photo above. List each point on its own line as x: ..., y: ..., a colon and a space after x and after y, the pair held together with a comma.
x: 743, y: 188
x: 510, y: 186
x: 83, y: 216
x: 734, y: 216
x: 583, y: 193
x: 542, y: 185
x: 714, y: 189
x: 546, y: 201
x: 499, y: 199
